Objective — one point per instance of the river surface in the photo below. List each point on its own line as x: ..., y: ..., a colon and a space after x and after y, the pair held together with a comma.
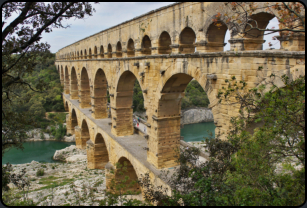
x: 41, y: 151
x: 197, y: 132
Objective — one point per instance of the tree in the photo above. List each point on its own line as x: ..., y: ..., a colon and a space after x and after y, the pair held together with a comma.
x: 20, y: 48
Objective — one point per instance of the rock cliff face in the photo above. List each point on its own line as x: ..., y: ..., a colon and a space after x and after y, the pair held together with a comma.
x: 197, y: 116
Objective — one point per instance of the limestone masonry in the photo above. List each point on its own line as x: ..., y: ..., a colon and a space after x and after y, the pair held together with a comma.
x: 164, y: 50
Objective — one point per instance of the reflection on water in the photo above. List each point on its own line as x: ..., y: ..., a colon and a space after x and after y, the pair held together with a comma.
x: 197, y: 132
x: 41, y: 151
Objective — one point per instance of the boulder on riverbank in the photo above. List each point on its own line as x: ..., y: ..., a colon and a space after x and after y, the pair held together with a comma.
x: 197, y: 116
x: 71, y: 152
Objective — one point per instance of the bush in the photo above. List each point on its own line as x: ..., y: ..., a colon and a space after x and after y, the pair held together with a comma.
x: 51, y: 115
x: 40, y: 172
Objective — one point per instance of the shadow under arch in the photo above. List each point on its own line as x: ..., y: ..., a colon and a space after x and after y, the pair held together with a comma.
x: 84, y: 135
x: 66, y: 82
x: 215, y: 36
x: 73, y: 84
x: 62, y: 76
x: 71, y: 122
x: 100, y: 98
x: 85, y: 96
x: 164, y: 43
x: 130, y: 48
x: 126, y: 175
x: 97, y: 153
x: 146, y: 45
x: 66, y: 107
x: 187, y: 40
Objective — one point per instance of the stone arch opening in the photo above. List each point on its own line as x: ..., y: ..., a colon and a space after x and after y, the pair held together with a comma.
x: 84, y: 136
x: 71, y: 122
x: 164, y: 142
x: 254, y: 37
x: 122, y: 114
x: 97, y: 153
x: 89, y: 53
x: 101, y: 52
x: 100, y: 99
x: 62, y: 76
x: 73, y: 84
x: 66, y: 106
x: 164, y: 43
x: 125, y: 174
x: 187, y: 40
x: 215, y: 37
x: 78, y: 55
x: 95, y: 51
x: 109, y: 51
x: 130, y: 48
x: 146, y: 45
x: 81, y: 56
x: 66, y: 81
x: 119, y: 53
x: 85, y: 96
x: 268, y: 36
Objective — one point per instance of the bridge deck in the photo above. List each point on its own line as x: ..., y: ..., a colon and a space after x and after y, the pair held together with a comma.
x: 134, y: 144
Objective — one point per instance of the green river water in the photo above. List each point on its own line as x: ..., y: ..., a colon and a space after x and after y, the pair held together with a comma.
x: 43, y: 151
x: 197, y: 132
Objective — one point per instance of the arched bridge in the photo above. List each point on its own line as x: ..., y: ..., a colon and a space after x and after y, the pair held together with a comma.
x: 164, y: 50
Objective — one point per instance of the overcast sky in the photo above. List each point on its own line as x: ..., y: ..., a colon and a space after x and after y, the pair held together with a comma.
x: 109, y: 14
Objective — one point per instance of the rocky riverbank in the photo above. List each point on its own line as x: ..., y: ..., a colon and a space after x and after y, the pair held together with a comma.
x: 63, y: 183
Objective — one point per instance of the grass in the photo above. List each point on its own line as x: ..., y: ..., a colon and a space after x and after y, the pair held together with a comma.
x: 52, y: 181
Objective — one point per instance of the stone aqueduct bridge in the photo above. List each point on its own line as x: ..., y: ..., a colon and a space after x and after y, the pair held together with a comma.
x: 158, y: 49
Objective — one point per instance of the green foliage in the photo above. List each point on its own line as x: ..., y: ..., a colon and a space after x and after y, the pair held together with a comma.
x: 40, y: 172
x: 138, y: 99
x: 195, y: 96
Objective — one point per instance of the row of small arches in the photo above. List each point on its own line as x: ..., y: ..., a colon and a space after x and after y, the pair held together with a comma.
x: 187, y: 40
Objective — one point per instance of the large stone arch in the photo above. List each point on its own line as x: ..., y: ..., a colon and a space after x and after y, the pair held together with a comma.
x: 73, y: 84
x: 100, y: 99
x: 164, y: 43
x: 85, y: 95
x: 187, y: 40
x: 122, y: 110
x: 66, y: 81
x: 82, y: 135
x: 125, y: 168
x: 97, y: 153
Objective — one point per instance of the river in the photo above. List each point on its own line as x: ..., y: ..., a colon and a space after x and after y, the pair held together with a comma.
x: 41, y: 151
x: 197, y: 132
